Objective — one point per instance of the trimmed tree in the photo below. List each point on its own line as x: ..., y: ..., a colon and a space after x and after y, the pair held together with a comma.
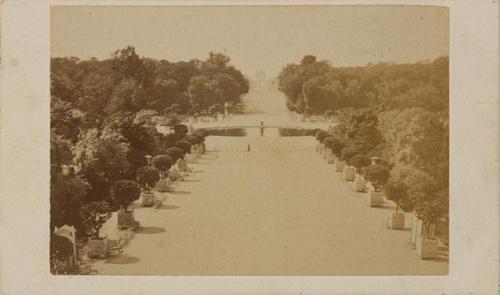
x: 397, y: 191
x: 183, y: 144
x: 360, y: 161
x: 162, y: 162
x: 347, y: 153
x: 175, y: 153
x: 321, y: 135
x: 124, y: 192
x: 337, y: 147
x: 147, y: 176
x: 94, y: 215
x: 378, y: 175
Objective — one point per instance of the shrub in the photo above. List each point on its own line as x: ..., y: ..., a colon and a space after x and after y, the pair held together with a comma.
x: 347, y: 153
x: 125, y: 192
x: 193, y: 139
x: 315, y: 131
x: 337, y: 147
x: 183, y: 144
x: 147, y: 176
x: 201, y: 132
x: 94, y: 215
x: 327, y: 141
x: 175, y: 153
x: 430, y: 208
x: 397, y: 191
x: 320, y: 135
x: 162, y: 162
x: 378, y: 175
x: 60, y: 249
x: 359, y: 161
x: 180, y: 130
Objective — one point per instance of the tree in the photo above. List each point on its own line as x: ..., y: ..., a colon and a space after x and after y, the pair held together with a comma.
x: 65, y: 120
x: 397, y: 191
x: 102, y: 159
x: 360, y: 161
x: 321, y: 135
x: 337, y: 147
x: 124, y: 192
x: 193, y: 139
x: 175, y: 153
x: 67, y: 195
x: 183, y: 144
x: 348, y: 153
x: 60, y: 151
x: 378, y: 175
x: 308, y: 59
x: 94, y: 215
x: 147, y: 176
x: 162, y: 162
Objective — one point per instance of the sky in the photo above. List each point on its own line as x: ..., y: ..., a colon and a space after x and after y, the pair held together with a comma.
x: 256, y: 38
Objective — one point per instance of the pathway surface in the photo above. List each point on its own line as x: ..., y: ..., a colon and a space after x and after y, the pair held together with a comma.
x: 280, y: 211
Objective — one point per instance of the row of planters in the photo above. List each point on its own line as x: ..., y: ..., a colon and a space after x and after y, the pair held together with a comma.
x: 411, y: 193
x: 161, y: 172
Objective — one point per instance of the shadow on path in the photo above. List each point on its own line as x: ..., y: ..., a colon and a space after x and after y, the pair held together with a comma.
x: 180, y: 193
x: 168, y: 207
x: 149, y: 230
x: 122, y: 260
x: 192, y: 180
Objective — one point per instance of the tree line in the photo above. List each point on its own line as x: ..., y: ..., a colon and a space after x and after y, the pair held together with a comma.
x: 103, y: 119
x: 397, y: 112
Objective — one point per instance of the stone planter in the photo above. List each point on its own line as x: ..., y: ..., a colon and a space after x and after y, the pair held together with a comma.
x: 148, y: 199
x: 359, y: 183
x: 321, y: 149
x: 330, y: 158
x: 397, y: 220
x: 339, y: 165
x: 415, y: 229
x: 97, y: 248
x: 163, y: 185
x: 376, y: 199
x: 126, y: 219
x: 348, y: 173
x: 326, y: 152
x: 427, y: 248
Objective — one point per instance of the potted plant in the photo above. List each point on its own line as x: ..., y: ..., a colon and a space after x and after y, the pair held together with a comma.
x: 320, y: 135
x: 94, y: 215
x: 346, y: 156
x: 328, y: 141
x: 194, y: 140
x: 186, y: 146
x: 314, y: 133
x: 337, y: 147
x: 176, y: 154
x: 360, y: 161
x: 430, y: 207
x: 147, y: 176
x: 163, y: 164
x: 123, y: 193
x: 378, y: 175
x: 397, y: 191
x: 203, y: 133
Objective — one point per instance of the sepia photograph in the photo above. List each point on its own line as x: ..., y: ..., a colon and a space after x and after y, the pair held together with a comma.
x: 249, y: 141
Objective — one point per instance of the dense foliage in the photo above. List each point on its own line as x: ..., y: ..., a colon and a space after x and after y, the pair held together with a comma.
x: 398, y: 112
x: 103, y: 122
x: 125, y: 192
